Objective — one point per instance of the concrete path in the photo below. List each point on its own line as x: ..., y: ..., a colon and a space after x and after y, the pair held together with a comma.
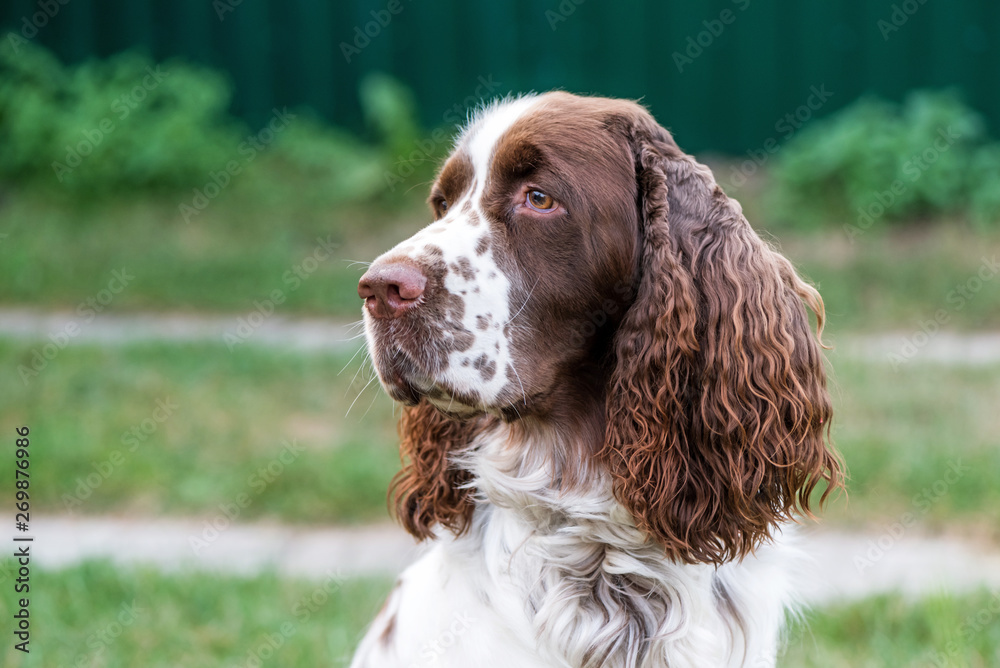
x: 247, y: 549
x: 847, y: 566
x: 339, y: 335
x: 113, y: 329
x: 943, y: 347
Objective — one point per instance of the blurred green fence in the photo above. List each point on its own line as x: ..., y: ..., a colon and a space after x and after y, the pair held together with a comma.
x: 728, y: 74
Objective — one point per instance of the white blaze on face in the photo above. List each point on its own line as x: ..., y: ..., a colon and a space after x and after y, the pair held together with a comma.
x: 472, y: 273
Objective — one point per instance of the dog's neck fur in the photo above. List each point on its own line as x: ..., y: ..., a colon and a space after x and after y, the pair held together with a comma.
x: 598, y: 591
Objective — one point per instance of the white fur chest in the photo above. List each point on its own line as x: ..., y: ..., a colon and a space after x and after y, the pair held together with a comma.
x: 580, y: 594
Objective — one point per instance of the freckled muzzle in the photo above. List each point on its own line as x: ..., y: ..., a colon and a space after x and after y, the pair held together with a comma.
x: 435, y: 309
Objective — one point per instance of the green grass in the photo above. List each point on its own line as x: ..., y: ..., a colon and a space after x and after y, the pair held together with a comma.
x: 241, y: 247
x: 197, y: 620
x: 234, y: 414
x: 942, y: 631
x: 98, y: 614
x: 920, y: 440
x: 898, y: 278
x: 892, y: 275
x: 898, y: 431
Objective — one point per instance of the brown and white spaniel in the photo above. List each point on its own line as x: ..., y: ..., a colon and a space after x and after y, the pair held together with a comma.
x: 614, y: 404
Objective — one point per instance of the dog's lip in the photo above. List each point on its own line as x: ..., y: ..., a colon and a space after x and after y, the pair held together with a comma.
x: 405, y: 383
x: 404, y: 393
x: 399, y: 384
x: 402, y: 378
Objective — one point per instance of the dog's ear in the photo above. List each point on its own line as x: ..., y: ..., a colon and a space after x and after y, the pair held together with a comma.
x: 430, y: 490
x: 717, y: 412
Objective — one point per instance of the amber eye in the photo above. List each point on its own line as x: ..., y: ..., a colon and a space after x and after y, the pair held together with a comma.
x: 539, y: 201
x: 440, y: 208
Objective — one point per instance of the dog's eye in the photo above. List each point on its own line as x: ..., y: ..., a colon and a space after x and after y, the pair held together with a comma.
x: 539, y: 201
x: 440, y: 207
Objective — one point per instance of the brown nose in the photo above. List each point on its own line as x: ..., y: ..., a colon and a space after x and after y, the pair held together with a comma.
x: 389, y: 290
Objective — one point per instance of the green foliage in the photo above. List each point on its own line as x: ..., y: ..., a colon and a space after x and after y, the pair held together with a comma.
x: 324, y: 165
x: 391, y: 111
x: 127, y: 124
x: 114, y: 124
x: 984, y: 201
x: 929, y: 156
x: 312, y: 164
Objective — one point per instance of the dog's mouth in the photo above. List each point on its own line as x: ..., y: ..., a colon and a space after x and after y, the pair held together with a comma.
x: 400, y: 378
x: 405, y: 381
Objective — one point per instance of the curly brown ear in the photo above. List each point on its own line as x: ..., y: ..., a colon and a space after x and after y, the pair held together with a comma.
x: 430, y: 490
x: 718, y: 413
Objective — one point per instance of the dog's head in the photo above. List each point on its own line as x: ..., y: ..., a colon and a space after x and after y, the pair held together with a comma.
x: 579, y: 260
x: 536, y: 232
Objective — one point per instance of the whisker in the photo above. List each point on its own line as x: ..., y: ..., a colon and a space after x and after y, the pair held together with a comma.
x: 524, y: 304
x: 374, y: 399
x: 524, y: 397
x: 361, y: 368
x: 417, y: 185
x: 359, y: 396
x: 351, y: 263
x: 413, y: 161
x: 360, y: 348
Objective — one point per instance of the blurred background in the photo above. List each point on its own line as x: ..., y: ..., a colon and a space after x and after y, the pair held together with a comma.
x: 189, y: 190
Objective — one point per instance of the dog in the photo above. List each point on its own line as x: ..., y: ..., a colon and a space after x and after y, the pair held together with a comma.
x: 615, y: 407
